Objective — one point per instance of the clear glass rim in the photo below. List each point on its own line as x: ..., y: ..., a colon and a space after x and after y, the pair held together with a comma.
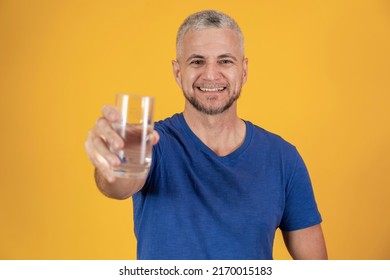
x: 134, y: 95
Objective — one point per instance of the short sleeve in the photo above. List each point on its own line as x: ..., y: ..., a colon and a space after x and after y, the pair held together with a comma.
x: 301, y: 209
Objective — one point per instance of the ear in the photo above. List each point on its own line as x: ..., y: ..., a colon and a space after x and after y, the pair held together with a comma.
x: 176, y: 72
x: 244, y: 70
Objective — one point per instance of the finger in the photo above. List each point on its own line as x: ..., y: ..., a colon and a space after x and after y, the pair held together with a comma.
x: 97, y: 149
x: 105, y: 169
x: 108, y: 134
x: 101, y: 157
x: 111, y: 113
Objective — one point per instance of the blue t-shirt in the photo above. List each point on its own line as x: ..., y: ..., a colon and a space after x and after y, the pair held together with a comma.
x: 198, y: 205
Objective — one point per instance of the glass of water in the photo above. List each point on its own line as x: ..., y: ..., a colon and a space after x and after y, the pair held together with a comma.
x: 136, y: 128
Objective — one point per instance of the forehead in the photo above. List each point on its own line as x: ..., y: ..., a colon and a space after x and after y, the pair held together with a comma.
x: 211, y: 42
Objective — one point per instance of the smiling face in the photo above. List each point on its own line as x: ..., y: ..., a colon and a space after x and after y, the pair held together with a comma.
x: 211, y: 69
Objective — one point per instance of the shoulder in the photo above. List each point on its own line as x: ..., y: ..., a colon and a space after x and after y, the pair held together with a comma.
x: 168, y: 123
x: 269, y: 139
x: 170, y: 131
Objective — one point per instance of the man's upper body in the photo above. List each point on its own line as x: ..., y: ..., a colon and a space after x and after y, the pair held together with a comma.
x: 211, y: 70
x: 198, y: 205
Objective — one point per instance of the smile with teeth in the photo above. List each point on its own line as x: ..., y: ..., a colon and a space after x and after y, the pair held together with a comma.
x: 211, y: 89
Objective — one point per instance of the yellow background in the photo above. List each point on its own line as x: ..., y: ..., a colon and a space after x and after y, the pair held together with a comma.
x: 319, y: 75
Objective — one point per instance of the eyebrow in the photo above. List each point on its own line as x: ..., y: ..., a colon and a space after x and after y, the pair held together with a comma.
x: 225, y: 55
x: 194, y: 56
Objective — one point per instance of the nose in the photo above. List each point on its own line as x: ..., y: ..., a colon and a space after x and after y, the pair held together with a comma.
x: 211, y: 71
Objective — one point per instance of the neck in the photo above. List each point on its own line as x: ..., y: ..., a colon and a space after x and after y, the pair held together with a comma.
x: 223, y: 133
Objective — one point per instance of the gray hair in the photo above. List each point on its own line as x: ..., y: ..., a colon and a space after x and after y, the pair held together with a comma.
x: 207, y: 19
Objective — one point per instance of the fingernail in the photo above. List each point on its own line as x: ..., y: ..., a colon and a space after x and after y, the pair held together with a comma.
x: 116, y: 145
x: 113, y: 161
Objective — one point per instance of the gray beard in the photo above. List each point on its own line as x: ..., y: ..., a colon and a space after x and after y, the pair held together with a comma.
x: 209, y: 111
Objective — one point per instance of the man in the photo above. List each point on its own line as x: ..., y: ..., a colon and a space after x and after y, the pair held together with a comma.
x: 218, y: 186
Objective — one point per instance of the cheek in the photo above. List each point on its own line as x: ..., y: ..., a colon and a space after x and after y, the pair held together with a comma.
x: 189, y: 78
x: 234, y: 77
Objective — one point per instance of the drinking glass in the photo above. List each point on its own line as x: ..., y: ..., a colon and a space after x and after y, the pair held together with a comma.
x: 136, y: 128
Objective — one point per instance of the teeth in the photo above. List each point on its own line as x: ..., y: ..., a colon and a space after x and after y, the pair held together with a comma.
x: 211, y: 89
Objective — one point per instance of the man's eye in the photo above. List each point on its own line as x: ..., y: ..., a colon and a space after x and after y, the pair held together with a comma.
x: 197, y: 62
x: 225, y: 61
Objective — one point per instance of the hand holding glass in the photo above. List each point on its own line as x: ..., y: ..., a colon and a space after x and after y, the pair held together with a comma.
x: 136, y: 129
